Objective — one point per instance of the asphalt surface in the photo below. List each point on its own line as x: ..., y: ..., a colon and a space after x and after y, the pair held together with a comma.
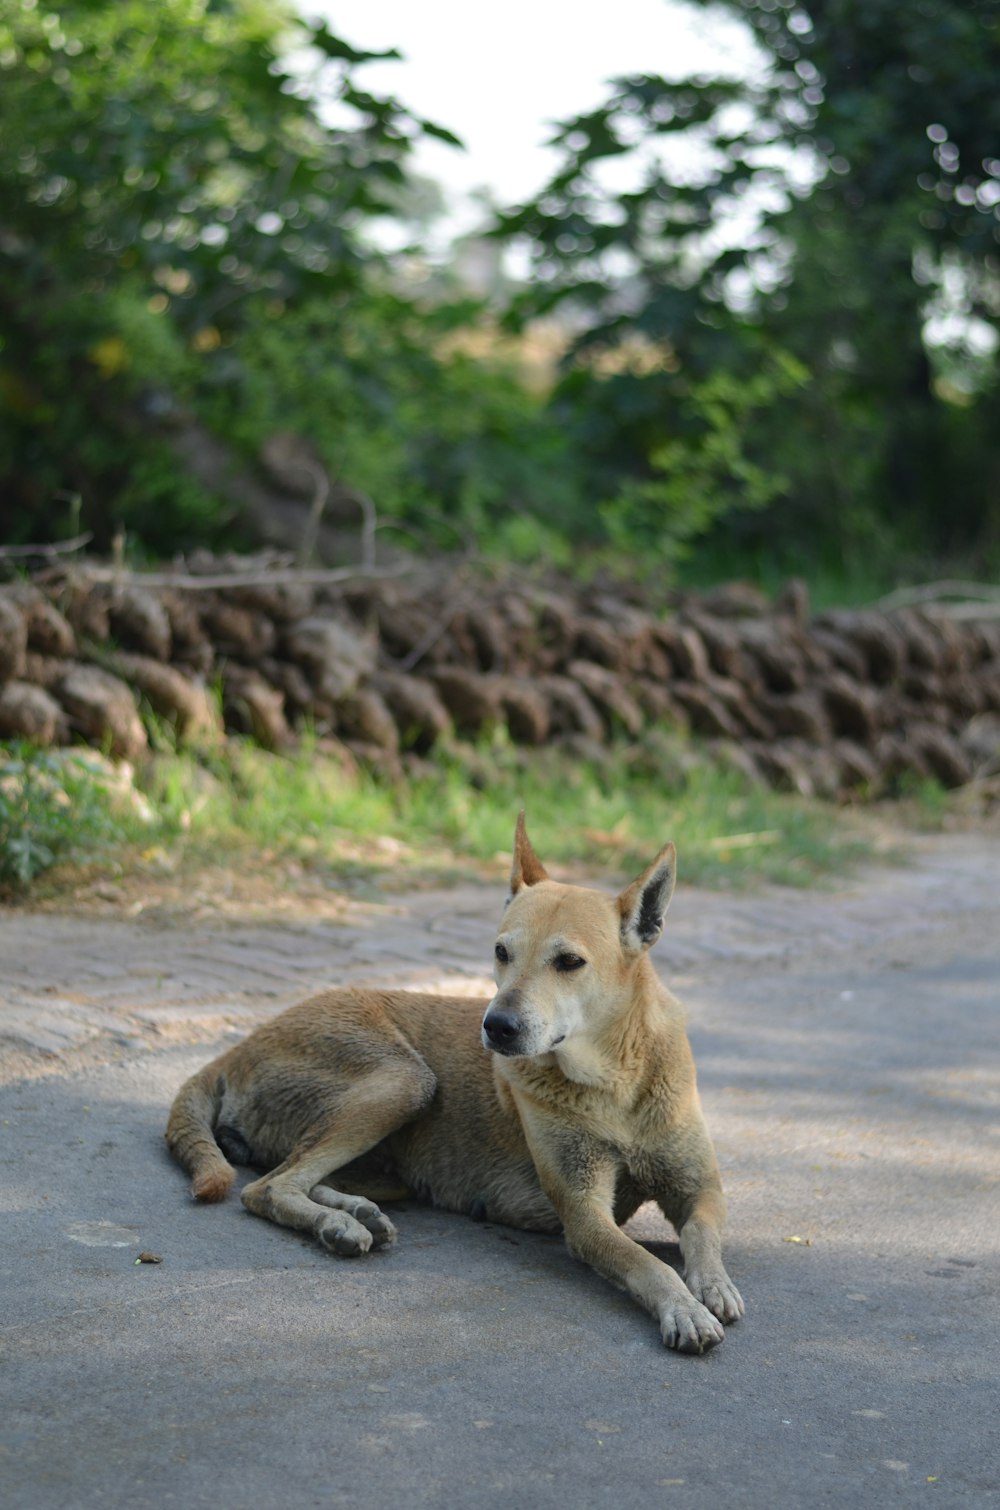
x: 849, y: 1059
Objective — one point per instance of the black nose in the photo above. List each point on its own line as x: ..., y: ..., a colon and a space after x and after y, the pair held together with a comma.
x: 501, y: 1028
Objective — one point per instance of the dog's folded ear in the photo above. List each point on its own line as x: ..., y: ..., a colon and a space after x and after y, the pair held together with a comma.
x: 527, y: 868
x: 643, y: 905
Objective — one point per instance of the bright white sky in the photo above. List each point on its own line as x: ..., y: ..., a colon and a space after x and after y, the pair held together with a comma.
x: 499, y: 75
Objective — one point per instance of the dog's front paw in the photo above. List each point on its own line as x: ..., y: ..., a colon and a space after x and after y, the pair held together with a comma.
x: 688, y: 1326
x: 718, y: 1293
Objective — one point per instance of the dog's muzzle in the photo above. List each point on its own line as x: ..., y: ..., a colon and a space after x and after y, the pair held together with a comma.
x: 502, y: 1029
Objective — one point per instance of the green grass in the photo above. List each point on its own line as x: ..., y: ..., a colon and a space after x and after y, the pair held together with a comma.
x: 246, y: 809
x: 614, y: 815
x: 929, y: 807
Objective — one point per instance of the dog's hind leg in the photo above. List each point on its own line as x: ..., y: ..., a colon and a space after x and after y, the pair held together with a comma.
x: 298, y: 1193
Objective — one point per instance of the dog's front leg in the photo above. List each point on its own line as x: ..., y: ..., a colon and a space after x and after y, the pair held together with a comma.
x: 699, y: 1232
x: 591, y: 1234
x: 688, y: 1191
x: 579, y: 1178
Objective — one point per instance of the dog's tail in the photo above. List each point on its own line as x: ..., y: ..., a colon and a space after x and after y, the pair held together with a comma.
x: 191, y: 1139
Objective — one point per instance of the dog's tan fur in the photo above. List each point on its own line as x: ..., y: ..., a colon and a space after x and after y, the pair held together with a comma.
x: 585, y: 1108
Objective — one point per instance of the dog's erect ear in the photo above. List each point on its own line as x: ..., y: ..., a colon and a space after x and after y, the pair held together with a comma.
x: 643, y: 904
x: 527, y: 868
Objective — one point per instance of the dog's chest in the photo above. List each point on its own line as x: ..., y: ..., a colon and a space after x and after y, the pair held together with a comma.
x: 650, y: 1169
x: 635, y: 1152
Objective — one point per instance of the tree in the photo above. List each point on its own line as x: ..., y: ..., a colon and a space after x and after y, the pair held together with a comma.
x: 161, y: 169
x: 860, y: 164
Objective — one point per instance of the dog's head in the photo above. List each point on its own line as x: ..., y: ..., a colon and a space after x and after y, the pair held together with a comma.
x: 565, y: 956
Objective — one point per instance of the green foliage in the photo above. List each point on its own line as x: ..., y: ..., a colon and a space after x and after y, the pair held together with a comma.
x: 861, y: 158
x: 161, y: 166
x: 394, y: 409
x: 198, y: 157
x: 198, y: 242
x: 788, y: 339
x: 703, y: 472
x: 52, y: 808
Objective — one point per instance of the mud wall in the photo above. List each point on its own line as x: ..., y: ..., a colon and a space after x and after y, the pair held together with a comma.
x: 828, y: 704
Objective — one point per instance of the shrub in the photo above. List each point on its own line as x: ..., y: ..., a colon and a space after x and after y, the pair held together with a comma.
x: 52, y: 807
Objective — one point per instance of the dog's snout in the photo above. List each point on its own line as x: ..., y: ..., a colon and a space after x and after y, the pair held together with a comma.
x: 502, y: 1028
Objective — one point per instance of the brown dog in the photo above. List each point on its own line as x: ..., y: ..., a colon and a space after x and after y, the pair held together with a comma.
x: 584, y: 1107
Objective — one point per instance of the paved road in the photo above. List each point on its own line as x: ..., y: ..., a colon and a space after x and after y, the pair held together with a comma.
x: 850, y: 1066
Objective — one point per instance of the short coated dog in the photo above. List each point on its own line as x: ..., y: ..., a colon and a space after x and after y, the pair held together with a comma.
x: 563, y: 1108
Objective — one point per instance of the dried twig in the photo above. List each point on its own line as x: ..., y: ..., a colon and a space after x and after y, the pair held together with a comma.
x: 987, y: 609
x: 321, y: 493
x: 745, y: 841
x: 308, y: 576
x: 57, y: 548
x: 369, y: 524
x: 933, y: 592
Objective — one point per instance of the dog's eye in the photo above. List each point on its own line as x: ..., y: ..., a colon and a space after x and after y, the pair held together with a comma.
x: 566, y: 962
x: 503, y: 957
